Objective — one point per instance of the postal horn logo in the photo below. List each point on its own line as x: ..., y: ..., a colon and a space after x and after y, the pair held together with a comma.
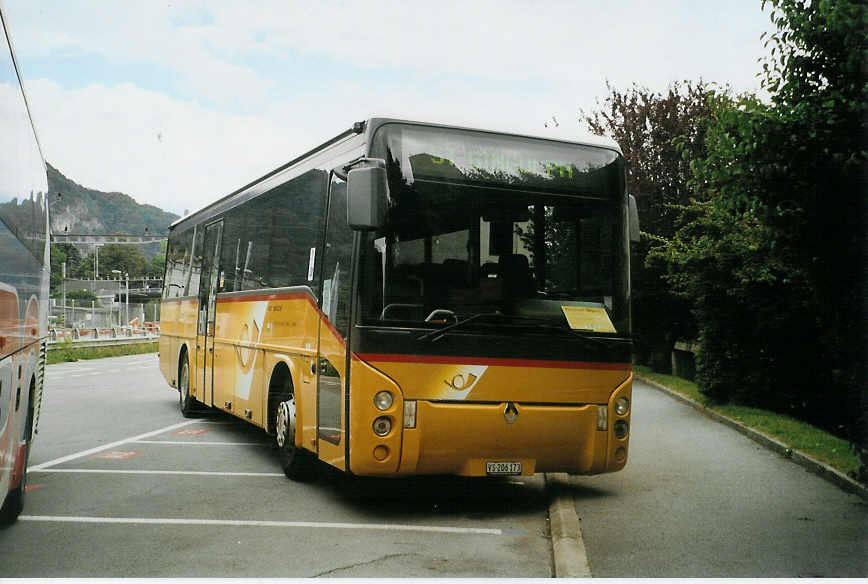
x: 464, y: 380
x: 244, y: 353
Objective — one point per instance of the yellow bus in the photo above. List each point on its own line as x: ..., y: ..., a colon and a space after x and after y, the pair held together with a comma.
x: 414, y: 298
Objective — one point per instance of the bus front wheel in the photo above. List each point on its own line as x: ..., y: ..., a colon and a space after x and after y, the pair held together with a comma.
x: 185, y: 400
x: 297, y: 463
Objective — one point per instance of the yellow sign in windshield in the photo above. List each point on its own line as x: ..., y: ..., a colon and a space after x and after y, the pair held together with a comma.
x: 589, y: 318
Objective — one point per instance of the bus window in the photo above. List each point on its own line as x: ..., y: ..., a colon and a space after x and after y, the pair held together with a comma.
x: 234, y: 251
x: 194, y: 274
x: 337, y: 261
x: 267, y: 242
x: 178, y: 255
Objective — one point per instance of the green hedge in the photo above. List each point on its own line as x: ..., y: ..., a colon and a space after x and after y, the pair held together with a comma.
x: 66, y: 351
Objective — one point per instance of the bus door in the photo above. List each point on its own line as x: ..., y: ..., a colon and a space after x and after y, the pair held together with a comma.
x: 332, y: 378
x: 207, y: 305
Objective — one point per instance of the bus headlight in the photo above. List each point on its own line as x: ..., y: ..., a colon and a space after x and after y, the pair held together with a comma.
x: 621, y: 429
x: 622, y: 406
x: 383, y: 400
x: 382, y: 426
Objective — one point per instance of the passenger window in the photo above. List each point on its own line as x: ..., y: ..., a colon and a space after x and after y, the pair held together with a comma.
x: 338, y: 257
x: 450, y: 246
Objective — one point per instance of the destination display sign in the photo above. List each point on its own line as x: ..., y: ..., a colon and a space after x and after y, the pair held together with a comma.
x: 447, y: 155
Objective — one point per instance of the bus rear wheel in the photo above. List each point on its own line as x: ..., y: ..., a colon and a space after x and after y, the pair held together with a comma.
x: 14, y: 503
x: 185, y: 400
x: 297, y: 463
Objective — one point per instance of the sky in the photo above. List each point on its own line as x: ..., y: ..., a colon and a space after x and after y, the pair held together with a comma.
x: 179, y: 103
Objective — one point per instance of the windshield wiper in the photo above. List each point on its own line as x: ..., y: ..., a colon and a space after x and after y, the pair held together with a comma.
x: 534, y: 322
x: 545, y: 323
x: 436, y: 334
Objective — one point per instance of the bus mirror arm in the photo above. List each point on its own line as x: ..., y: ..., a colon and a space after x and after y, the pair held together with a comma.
x: 367, y: 194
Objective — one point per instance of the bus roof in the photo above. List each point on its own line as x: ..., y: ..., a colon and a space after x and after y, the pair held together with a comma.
x: 368, y: 127
x: 552, y: 132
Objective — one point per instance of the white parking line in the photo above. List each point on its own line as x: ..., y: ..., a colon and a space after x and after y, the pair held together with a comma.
x: 156, y: 472
x: 83, y: 453
x: 134, y: 366
x: 66, y: 371
x: 228, y: 522
x: 187, y: 442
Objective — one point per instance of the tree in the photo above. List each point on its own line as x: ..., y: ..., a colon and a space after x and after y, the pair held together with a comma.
x: 81, y: 296
x: 773, y: 262
x: 63, y: 253
x: 659, y: 134
x: 157, y: 266
x: 126, y: 258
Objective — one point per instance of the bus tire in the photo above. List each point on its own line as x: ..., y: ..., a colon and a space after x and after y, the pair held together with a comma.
x: 14, y: 503
x: 185, y: 400
x: 297, y: 463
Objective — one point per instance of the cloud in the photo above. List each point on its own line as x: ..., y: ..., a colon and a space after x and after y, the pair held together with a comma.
x: 507, y: 40
x: 170, y: 153
x: 234, y: 89
x: 181, y: 155
x: 557, y: 41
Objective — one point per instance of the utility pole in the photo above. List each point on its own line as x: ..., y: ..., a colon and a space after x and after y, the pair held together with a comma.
x: 95, y: 268
x: 63, y: 287
x: 118, y: 273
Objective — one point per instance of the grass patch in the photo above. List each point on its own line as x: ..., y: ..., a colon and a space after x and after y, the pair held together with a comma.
x: 797, y: 435
x: 67, y: 352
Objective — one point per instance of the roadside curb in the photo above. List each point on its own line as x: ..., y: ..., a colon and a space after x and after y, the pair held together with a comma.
x: 568, y: 547
x: 812, y: 465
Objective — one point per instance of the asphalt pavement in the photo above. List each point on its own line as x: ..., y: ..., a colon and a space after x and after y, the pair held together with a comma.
x: 122, y: 486
x: 698, y: 499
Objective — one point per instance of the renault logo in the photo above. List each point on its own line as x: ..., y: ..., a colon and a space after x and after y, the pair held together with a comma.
x: 510, y: 413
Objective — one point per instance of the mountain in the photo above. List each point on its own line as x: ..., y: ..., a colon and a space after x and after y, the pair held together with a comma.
x: 84, y: 210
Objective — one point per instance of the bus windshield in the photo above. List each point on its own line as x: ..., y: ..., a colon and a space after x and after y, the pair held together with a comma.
x: 506, y: 230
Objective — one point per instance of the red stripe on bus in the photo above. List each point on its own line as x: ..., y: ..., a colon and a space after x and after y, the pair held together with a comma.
x: 494, y: 361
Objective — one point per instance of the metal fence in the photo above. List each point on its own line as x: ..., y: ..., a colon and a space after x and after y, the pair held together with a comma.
x: 102, y: 336
x: 92, y: 314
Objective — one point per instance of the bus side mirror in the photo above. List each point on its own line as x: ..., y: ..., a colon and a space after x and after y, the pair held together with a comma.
x: 634, y: 220
x: 366, y: 196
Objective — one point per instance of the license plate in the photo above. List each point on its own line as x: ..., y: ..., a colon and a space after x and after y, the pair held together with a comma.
x: 503, y: 468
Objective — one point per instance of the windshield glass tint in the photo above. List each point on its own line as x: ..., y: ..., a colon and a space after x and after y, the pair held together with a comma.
x: 490, y: 236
